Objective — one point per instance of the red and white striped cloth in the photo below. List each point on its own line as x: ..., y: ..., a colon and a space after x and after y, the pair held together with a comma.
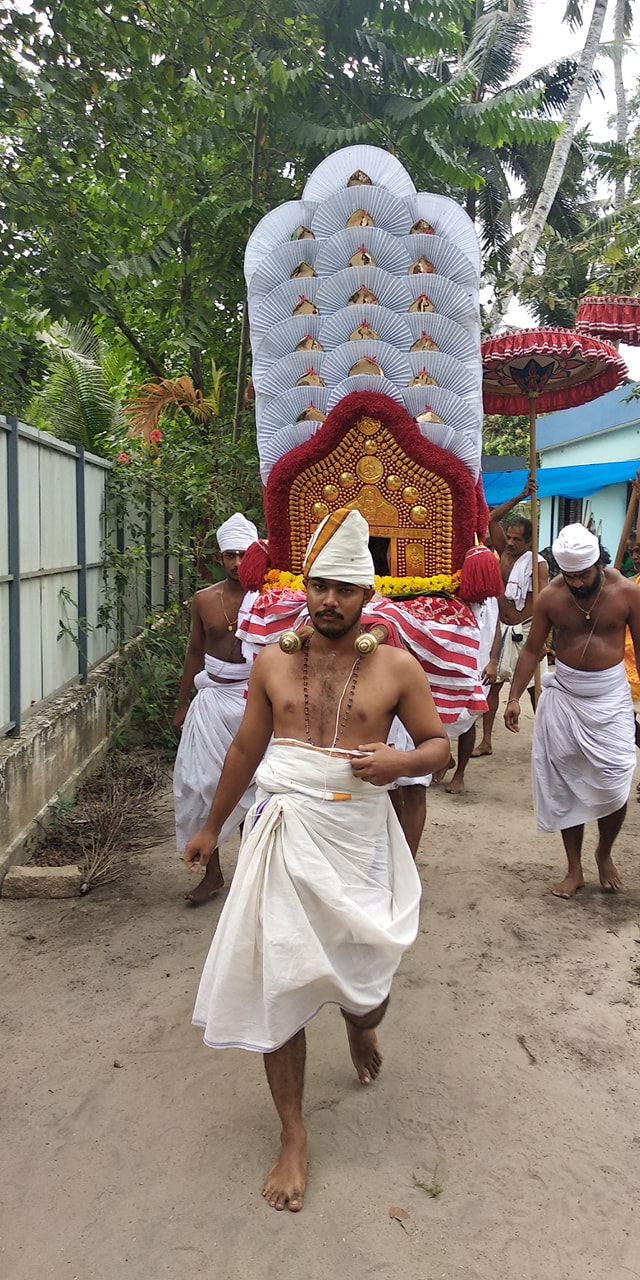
x: 442, y: 634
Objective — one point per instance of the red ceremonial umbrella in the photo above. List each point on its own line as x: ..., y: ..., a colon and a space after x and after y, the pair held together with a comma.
x: 615, y: 318
x: 538, y: 370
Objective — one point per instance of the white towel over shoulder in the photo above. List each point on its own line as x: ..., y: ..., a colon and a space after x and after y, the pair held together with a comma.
x: 323, y: 904
x: 583, y: 746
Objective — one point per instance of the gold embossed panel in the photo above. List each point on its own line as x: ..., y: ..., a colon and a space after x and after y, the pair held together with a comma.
x: 363, y: 472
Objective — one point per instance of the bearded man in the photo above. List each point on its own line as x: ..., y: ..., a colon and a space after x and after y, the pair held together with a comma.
x: 583, y: 739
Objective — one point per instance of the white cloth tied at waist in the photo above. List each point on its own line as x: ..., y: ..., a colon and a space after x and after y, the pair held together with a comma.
x: 583, y: 755
x: 211, y: 724
x: 323, y: 904
x: 224, y: 670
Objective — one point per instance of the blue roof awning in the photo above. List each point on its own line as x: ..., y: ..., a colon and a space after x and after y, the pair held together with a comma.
x: 559, y: 482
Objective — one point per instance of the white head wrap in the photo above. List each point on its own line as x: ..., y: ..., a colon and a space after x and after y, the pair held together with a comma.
x: 237, y: 533
x: 575, y: 549
x: 339, y: 549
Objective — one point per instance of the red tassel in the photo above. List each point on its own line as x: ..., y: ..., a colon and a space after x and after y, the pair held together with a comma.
x: 254, y: 565
x: 480, y: 576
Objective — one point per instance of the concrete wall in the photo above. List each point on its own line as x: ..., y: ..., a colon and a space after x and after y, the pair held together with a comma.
x: 61, y: 744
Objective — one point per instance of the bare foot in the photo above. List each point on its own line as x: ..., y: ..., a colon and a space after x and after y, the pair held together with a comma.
x: 365, y: 1053
x: 205, y: 890
x: 286, y: 1181
x: 456, y: 786
x: 568, y: 887
x: 482, y: 749
x: 440, y: 773
x: 609, y: 876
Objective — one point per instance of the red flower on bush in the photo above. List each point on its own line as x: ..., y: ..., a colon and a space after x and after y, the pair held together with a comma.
x: 124, y: 458
x: 155, y: 436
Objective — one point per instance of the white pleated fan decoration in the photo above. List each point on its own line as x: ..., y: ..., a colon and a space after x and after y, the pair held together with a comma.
x: 448, y: 335
x: 447, y: 405
x: 284, y: 339
x: 333, y: 173
x: 277, y: 227
x: 445, y: 258
x: 281, y: 304
x: 287, y: 408
x: 282, y: 441
x: 389, y: 326
x: 364, y: 382
x: 447, y: 298
x: 448, y: 373
x: 288, y: 370
x: 335, y: 291
x: 389, y: 252
x: 459, y: 443
x: 448, y: 220
x: 384, y: 209
x: 395, y: 364
x: 280, y: 264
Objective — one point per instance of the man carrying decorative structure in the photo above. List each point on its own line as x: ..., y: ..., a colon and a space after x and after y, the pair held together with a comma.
x: 325, y: 898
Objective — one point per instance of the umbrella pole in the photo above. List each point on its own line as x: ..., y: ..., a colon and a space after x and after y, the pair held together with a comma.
x: 535, y: 580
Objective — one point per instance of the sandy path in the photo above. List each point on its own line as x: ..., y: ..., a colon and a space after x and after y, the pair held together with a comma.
x: 511, y: 1074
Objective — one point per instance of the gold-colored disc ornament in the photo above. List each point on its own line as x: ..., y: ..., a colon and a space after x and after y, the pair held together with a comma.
x: 305, y: 307
x: 366, y: 365
x: 419, y: 514
x: 362, y: 258
x: 360, y: 219
x: 347, y: 479
x: 424, y: 343
x: 359, y: 179
x: 330, y: 492
x: 411, y: 494
x: 362, y: 332
x: 423, y: 303
x: 309, y: 344
x: 364, y: 295
x: 302, y: 269
x: 421, y: 267
x: 311, y: 414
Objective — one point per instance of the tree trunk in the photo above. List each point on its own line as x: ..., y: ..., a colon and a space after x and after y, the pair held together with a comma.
x: 531, y: 235
x: 622, y: 119
x: 243, y: 355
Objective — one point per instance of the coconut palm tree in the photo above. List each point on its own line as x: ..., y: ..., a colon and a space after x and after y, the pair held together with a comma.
x: 533, y: 230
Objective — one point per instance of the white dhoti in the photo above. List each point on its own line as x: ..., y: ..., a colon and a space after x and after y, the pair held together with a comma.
x: 511, y: 646
x: 211, y: 724
x: 583, y: 746
x: 323, y: 904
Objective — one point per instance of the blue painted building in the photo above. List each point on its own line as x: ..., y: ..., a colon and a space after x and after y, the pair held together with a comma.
x: 588, y: 456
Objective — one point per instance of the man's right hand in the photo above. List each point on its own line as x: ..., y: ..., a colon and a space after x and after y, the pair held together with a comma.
x: 199, y: 849
x: 512, y: 715
x: 179, y: 719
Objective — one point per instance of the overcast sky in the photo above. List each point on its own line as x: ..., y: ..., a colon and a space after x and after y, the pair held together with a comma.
x: 553, y: 39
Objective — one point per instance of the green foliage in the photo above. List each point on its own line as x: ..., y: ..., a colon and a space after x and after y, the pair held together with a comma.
x: 506, y: 436
x: 155, y: 673
x: 77, y: 401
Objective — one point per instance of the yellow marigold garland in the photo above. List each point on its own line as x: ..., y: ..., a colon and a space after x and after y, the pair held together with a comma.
x: 394, y: 588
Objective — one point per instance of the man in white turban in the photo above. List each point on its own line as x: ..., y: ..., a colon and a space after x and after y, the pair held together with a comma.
x: 208, y: 725
x: 325, y: 898
x: 583, y: 739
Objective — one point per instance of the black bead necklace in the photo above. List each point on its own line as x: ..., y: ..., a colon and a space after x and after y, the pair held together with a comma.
x: 353, y: 677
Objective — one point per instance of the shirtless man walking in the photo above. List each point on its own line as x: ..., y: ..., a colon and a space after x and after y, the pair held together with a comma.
x: 209, y: 724
x: 516, y: 605
x: 583, y: 739
x: 325, y: 898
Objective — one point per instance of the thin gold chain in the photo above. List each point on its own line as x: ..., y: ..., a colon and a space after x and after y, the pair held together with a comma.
x: 587, y: 612
x: 231, y: 625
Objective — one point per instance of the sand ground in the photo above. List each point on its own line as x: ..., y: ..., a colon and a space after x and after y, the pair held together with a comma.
x: 510, y: 1079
